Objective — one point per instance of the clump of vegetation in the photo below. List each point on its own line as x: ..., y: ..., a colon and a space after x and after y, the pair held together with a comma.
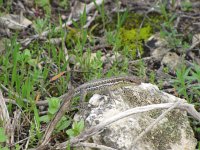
x: 134, y: 39
x: 135, y: 20
x: 45, y: 4
x: 133, y: 30
x: 72, y: 38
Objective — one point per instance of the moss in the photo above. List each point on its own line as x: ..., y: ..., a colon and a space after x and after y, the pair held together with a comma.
x: 134, y: 38
x: 165, y: 133
x: 135, y: 20
x: 71, y: 38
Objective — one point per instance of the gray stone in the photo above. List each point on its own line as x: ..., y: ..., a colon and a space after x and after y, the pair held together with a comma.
x: 173, y: 132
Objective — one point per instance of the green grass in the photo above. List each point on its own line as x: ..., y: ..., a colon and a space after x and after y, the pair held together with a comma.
x: 185, y: 83
x: 27, y: 73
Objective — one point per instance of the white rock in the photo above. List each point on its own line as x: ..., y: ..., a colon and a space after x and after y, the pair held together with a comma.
x: 173, y: 132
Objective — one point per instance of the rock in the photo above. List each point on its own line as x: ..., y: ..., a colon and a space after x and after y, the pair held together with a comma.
x: 173, y: 132
x: 14, y: 22
x: 195, y: 38
x: 158, y: 46
x: 171, y: 60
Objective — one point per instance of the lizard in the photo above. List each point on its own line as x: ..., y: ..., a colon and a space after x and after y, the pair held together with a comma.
x: 92, y: 86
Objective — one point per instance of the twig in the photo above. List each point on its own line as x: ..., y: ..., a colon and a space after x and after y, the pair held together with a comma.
x: 65, y: 48
x: 27, y: 138
x: 44, y: 34
x: 13, y: 101
x: 93, y: 145
x: 5, y: 118
x: 52, y: 124
x: 155, y: 122
x: 96, y: 129
x: 15, y: 124
x: 38, y: 103
x: 12, y: 93
x: 91, y: 20
x: 193, y: 46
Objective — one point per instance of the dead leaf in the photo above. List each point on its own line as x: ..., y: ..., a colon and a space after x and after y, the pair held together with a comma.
x: 14, y: 22
x: 37, y: 96
x: 57, y: 76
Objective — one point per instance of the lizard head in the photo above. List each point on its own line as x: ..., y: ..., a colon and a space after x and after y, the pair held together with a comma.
x: 133, y: 79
